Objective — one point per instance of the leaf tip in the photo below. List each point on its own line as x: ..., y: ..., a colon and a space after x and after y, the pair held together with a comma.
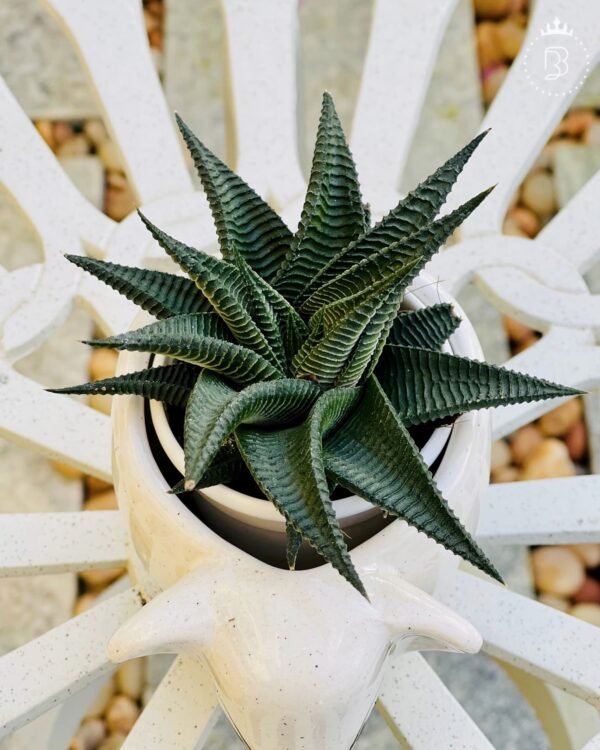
x: 189, y: 485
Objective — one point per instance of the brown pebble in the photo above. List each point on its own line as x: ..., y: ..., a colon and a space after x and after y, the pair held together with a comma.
x: 488, y: 48
x: 510, y: 34
x: 591, y: 136
x: 548, y: 461
x: 99, y: 579
x: 525, y: 220
x: 538, y: 194
x: 587, y: 612
x: 505, y: 474
x: 510, y: 228
x: 100, y: 403
x: 94, y: 485
x: 531, y: 340
x: 588, y: 592
x: 102, y: 501
x: 96, y: 132
x: 119, y: 203
x: 114, y: 742
x: 524, y: 441
x: 576, y: 441
x: 576, y: 122
x: 155, y: 7
x: 155, y: 39
x: 68, y: 472
x: 492, y: 79
x: 131, y: 678
x: 121, y: 714
x: 110, y: 155
x: 500, y: 454
x: 45, y: 129
x: 84, y: 602
x: 492, y: 8
x: 559, y: 421
x: 117, y: 179
x: 515, y: 330
x: 151, y: 21
x: 557, y: 570
x: 589, y: 553
x: 556, y: 602
x: 89, y: 735
x: 103, y: 363
x: 61, y: 133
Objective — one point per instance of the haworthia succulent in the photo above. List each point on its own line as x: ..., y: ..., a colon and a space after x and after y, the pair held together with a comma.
x: 425, y: 328
x: 294, y: 542
x: 227, y: 466
x: 424, y: 385
x: 375, y: 457
x: 288, y: 467
x: 224, y: 287
x: 332, y: 215
x: 196, y: 339
x: 245, y: 223
x: 169, y: 383
x: 419, y: 208
x: 216, y: 409
x: 161, y: 294
x: 423, y: 244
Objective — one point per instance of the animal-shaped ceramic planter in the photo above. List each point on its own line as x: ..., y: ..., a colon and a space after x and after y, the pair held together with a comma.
x: 297, y: 656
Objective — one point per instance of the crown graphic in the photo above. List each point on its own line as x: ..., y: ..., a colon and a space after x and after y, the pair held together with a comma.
x: 556, y: 28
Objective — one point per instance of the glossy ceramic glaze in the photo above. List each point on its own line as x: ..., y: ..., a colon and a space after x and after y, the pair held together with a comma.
x: 278, y: 642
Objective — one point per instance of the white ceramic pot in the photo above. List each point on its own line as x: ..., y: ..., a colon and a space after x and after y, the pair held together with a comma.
x: 297, y: 657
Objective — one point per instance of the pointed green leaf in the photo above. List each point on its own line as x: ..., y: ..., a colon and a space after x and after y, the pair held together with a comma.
x: 197, y: 339
x: 338, y: 327
x: 374, y: 456
x: 425, y: 328
x: 169, y: 383
x: 412, y: 213
x: 224, y: 287
x: 332, y: 215
x: 161, y: 294
x: 226, y: 467
x: 423, y: 244
x: 245, y: 223
x: 215, y: 409
x: 294, y: 542
x: 424, y: 386
x: 288, y: 467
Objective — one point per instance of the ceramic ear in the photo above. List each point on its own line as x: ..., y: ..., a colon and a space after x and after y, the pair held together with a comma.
x: 180, y: 620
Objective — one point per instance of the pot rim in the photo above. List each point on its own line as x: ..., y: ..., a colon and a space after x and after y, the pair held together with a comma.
x: 249, y: 506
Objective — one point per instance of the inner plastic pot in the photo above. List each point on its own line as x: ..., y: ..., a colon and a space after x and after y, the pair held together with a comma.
x: 252, y: 523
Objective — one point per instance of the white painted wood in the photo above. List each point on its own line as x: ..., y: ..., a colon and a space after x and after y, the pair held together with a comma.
x: 50, y: 669
x: 184, y: 706
x: 549, y: 644
x: 34, y: 543
x: 58, y: 426
x: 105, y: 35
x: 262, y: 77
x: 403, y: 46
x: 545, y: 511
x: 416, y: 702
x: 593, y: 744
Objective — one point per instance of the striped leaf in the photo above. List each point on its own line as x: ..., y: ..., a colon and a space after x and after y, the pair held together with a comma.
x: 288, y: 467
x: 374, y: 457
x: 294, y: 542
x: 332, y: 215
x: 224, y: 287
x: 423, y: 244
x: 171, y: 384
x: 424, y: 386
x: 161, y: 294
x: 197, y: 339
x: 425, y: 328
x: 337, y: 328
x: 226, y: 467
x: 215, y: 409
x: 245, y: 223
x: 414, y: 212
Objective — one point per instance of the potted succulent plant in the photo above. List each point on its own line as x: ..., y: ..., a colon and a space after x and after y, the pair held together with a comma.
x: 299, y: 392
